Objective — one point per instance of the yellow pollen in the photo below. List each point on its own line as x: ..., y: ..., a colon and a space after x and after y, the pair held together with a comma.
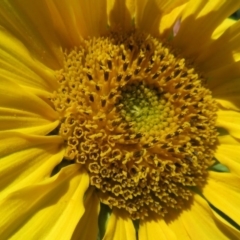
x: 139, y: 119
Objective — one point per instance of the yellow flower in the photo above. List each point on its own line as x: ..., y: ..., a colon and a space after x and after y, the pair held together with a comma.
x: 119, y: 119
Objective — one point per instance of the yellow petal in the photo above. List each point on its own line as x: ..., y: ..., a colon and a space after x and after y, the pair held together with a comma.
x: 177, y: 226
x: 228, y: 153
x: 18, y: 65
x: 119, y: 227
x: 230, y: 121
x: 78, y: 19
x: 121, y: 13
x: 149, y: 13
x: 222, y: 191
x: 64, y: 23
x: 228, y: 71
x: 30, y: 22
x: 155, y: 230
x: 27, y: 159
x: 219, y: 54
x: 229, y: 102
x: 91, y: 16
x: 199, y: 21
x: 87, y: 228
x: 20, y: 110
x: 49, y: 210
x: 226, y: 227
x: 21, y: 121
x: 227, y: 23
x: 169, y: 20
x: 227, y: 94
x: 197, y: 222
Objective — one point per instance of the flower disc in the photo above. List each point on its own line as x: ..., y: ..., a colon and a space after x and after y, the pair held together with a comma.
x: 140, y: 120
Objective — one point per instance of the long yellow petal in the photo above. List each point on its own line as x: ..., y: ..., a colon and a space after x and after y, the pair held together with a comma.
x: 18, y: 65
x: 21, y: 110
x: 121, y: 13
x: 230, y: 121
x: 91, y: 16
x: 87, y: 228
x: 227, y: 94
x: 199, y: 21
x: 49, y: 210
x: 155, y: 230
x: 228, y: 71
x: 228, y: 153
x: 30, y: 22
x: 169, y: 20
x: 27, y: 159
x: 197, y: 222
x: 78, y: 19
x: 120, y: 227
x: 150, y: 13
x: 231, y: 232
x: 222, y: 191
x: 227, y: 23
x: 219, y: 54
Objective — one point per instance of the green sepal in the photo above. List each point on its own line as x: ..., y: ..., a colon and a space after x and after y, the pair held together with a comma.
x: 103, y: 218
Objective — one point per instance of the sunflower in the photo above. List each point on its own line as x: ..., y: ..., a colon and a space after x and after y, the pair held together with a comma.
x: 119, y: 119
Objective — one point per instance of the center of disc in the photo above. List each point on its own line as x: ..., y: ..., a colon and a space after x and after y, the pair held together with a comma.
x: 138, y: 119
x: 144, y: 107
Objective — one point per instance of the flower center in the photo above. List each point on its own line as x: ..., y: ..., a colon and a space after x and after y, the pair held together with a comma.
x: 139, y: 119
x: 142, y: 105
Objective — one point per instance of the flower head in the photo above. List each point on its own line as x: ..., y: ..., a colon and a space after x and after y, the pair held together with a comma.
x: 119, y: 120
